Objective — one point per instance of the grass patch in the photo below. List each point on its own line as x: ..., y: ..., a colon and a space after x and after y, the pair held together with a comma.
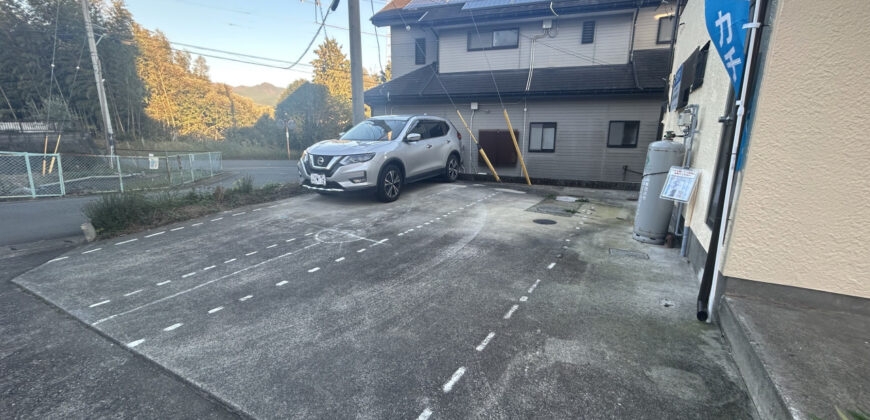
x: 117, y: 214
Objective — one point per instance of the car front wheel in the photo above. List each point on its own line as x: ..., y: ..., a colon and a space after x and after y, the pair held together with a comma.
x: 390, y: 183
x: 451, y: 171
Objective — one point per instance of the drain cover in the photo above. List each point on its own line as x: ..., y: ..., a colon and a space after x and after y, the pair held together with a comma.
x: 616, y: 252
x: 544, y: 221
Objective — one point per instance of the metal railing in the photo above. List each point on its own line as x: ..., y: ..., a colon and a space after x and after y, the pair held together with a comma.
x: 53, y: 174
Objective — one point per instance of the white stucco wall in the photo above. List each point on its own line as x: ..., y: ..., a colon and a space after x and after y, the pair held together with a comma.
x: 803, y: 213
x: 711, y: 98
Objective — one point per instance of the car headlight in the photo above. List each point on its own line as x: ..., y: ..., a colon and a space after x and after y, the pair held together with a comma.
x: 364, y: 157
x: 304, y: 155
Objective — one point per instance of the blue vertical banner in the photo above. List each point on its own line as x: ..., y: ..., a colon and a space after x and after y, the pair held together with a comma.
x: 725, y: 20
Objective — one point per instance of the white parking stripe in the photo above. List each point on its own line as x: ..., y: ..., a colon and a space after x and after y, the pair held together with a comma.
x: 127, y: 241
x: 93, y: 250
x: 155, y: 234
x: 196, y: 224
x: 239, y: 213
x: 213, y: 310
x: 209, y: 267
x: 290, y: 240
x: 511, y: 311
x: 245, y: 298
x: 133, y: 292
x: 485, y: 341
x: 99, y: 303
x: 256, y: 209
x: 164, y: 282
x: 425, y: 414
x: 281, y: 283
x: 215, y: 220
x: 250, y: 253
x: 135, y: 343
x: 550, y: 267
x: 524, y: 298
x: 188, y: 274
x: 339, y: 259
x: 314, y: 269
x: 532, y: 289
x: 361, y: 250
x: 271, y: 246
x: 229, y: 260
x: 309, y: 234
x: 178, y: 228
x: 453, y: 379
x: 172, y: 327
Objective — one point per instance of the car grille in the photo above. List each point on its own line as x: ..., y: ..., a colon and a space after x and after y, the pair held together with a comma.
x: 326, y: 159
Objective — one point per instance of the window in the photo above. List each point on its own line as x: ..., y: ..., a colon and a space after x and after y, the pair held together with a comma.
x: 420, y: 51
x: 623, y: 134
x: 428, y: 129
x: 588, y: 36
x: 542, y: 137
x: 493, y: 40
x: 666, y: 30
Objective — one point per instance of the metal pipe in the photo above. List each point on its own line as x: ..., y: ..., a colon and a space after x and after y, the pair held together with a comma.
x: 710, y: 297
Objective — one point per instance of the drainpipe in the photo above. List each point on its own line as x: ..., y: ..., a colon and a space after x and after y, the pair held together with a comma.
x: 709, y: 293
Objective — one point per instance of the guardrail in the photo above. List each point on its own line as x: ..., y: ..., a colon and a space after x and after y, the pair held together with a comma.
x: 54, y: 174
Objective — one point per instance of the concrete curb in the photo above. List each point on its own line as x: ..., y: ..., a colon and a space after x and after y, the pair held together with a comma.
x: 768, y: 402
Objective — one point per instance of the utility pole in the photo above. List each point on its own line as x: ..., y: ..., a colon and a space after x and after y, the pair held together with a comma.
x: 356, y: 80
x: 98, y: 75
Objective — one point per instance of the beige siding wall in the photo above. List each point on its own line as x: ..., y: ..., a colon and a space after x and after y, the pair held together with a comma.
x: 611, y: 46
x: 711, y: 98
x: 402, y: 48
x: 803, y: 213
x: 647, y: 27
x: 581, y: 135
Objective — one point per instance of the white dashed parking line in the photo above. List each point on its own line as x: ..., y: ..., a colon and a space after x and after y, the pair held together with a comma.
x: 339, y: 259
x: 485, y: 341
x: 133, y: 292
x: 550, y: 267
x: 188, y: 274
x: 271, y: 246
x: 511, y: 311
x: 281, y: 283
x: 245, y: 298
x: 239, y: 213
x: 532, y: 289
x: 155, y: 234
x: 174, y: 229
x: 250, y: 253
x: 127, y: 241
x: 196, y: 224
x: 448, y: 386
x: 172, y: 327
x: 425, y: 414
x: 314, y: 269
x: 215, y: 220
x: 229, y: 260
x: 209, y: 267
x: 99, y: 303
x: 213, y: 310
x: 93, y: 250
x: 164, y: 282
x: 135, y: 343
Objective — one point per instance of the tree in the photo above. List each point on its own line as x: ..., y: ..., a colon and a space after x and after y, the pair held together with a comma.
x: 200, y: 68
x: 318, y: 115
x: 291, y: 88
x: 387, y: 74
x: 332, y: 69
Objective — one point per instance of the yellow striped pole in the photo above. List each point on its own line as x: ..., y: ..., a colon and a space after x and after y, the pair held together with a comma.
x: 517, y: 146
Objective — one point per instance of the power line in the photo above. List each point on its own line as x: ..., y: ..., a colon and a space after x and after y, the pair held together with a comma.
x: 233, y: 53
x: 241, y: 61
x: 377, y: 40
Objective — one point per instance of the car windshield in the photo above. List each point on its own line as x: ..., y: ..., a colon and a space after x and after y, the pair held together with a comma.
x: 375, y: 129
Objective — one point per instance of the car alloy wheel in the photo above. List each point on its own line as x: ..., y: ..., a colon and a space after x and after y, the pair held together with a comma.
x: 452, y: 168
x: 392, y: 183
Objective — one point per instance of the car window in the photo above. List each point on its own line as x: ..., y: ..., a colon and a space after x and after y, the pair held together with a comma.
x: 428, y: 129
x: 375, y: 129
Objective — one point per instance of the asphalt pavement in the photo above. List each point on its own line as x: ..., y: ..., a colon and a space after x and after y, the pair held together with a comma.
x: 41, y: 219
x: 449, y: 303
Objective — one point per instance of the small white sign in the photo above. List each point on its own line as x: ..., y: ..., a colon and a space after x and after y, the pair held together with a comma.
x: 153, y: 162
x: 680, y: 184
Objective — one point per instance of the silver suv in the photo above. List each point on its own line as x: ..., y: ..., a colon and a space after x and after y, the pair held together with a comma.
x: 383, y: 153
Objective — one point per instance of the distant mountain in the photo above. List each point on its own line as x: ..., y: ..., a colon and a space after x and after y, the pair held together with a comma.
x: 264, y: 93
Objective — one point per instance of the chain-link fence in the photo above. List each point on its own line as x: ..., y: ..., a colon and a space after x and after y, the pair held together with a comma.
x: 47, y: 175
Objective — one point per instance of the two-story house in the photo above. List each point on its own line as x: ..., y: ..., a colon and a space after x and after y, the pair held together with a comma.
x: 582, y: 80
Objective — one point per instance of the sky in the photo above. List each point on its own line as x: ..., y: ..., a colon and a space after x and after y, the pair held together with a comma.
x: 276, y: 29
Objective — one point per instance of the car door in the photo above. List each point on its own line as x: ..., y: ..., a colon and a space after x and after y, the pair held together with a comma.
x: 416, y: 155
x: 442, y: 144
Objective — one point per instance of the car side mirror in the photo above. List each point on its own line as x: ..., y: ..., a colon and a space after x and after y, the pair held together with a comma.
x: 413, y: 137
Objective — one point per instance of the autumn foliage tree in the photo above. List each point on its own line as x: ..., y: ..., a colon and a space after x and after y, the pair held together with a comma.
x: 180, y: 95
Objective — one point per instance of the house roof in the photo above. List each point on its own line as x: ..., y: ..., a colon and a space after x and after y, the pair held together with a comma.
x: 394, y: 13
x: 646, y: 75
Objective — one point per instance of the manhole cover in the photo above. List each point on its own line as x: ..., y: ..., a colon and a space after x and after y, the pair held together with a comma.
x: 544, y: 221
x: 616, y: 252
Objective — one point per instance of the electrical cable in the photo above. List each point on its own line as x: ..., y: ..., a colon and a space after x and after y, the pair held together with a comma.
x: 377, y: 40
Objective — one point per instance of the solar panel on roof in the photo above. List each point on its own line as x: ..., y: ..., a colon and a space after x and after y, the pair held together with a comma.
x: 420, y: 4
x: 480, y: 4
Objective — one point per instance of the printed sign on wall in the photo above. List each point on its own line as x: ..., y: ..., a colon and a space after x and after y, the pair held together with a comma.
x: 680, y: 184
